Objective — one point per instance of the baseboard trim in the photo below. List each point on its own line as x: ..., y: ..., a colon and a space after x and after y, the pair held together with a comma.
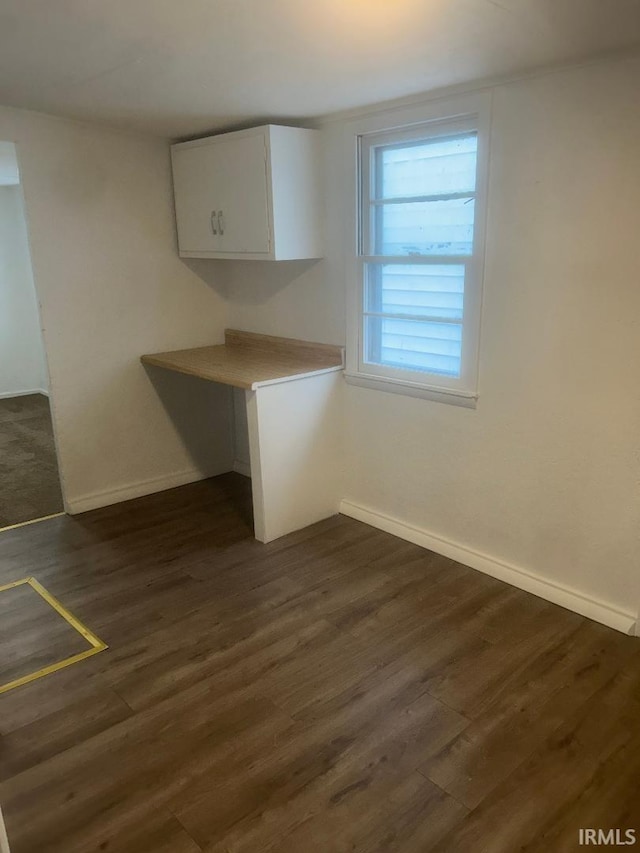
x: 585, y: 605
x: 96, y: 500
x: 5, y: 395
x: 241, y: 467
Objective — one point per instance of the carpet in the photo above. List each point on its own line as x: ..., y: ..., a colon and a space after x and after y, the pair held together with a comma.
x: 29, y: 480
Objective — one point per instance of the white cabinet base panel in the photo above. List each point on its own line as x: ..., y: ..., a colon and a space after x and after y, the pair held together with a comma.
x: 295, y: 448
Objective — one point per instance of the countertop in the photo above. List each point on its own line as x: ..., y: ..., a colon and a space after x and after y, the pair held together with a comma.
x: 248, y: 360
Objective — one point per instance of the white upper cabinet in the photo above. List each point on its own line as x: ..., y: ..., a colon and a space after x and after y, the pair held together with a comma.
x: 253, y: 194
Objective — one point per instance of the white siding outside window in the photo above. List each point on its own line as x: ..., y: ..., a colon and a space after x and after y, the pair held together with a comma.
x: 419, y: 248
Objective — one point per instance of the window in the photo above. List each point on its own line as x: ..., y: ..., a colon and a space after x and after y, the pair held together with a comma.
x: 419, y: 257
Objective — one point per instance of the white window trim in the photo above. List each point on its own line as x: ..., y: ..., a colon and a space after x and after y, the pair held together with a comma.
x: 475, y: 107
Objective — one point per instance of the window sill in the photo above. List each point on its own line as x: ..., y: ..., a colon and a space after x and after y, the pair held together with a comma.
x: 413, y: 389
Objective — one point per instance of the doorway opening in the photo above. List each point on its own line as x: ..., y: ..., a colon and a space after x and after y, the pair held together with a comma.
x: 29, y: 475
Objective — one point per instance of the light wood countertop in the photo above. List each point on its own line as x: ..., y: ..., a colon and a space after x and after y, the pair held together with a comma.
x: 248, y: 360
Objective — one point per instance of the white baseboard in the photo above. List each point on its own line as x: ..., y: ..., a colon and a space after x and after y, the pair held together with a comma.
x: 84, y: 503
x: 600, y: 611
x: 241, y: 467
x: 585, y: 605
x: 4, y: 395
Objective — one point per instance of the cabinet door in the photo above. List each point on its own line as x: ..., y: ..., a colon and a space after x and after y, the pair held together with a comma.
x: 241, y: 171
x: 197, y: 201
x: 222, y: 202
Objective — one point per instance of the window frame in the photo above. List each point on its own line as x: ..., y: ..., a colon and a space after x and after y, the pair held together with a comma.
x: 433, y: 119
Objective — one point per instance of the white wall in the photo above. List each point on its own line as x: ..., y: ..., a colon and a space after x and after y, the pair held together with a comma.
x: 302, y: 299
x: 544, y: 475
x: 111, y: 287
x: 241, y: 450
x: 22, y: 362
x: 9, y: 172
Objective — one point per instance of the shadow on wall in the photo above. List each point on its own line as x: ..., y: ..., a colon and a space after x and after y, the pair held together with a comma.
x: 202, y: 414
x: 248, y: 282
x: 211, y: 272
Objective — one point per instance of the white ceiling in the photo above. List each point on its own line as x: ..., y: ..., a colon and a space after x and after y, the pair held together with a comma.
x: 182, y: 67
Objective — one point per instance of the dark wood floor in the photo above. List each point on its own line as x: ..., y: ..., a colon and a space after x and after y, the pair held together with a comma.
x: 337, y: 690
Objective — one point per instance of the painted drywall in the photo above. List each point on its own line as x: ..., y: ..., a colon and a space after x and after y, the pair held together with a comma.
x: 187, y: 68
x: 111, y: 287
x: 22, y: 362
x: 301, y: 299
x: 241, y: 452
x: 544, y: 475
x: 9, y: 172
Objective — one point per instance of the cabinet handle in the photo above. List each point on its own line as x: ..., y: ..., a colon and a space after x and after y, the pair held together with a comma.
x: 213, y: 222
x: 221, y: 223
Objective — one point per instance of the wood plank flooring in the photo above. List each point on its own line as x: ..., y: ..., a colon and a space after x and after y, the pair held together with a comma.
x: 335, y: 690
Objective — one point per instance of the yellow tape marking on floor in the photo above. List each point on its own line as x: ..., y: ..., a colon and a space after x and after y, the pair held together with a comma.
x: 97, y: 645
x: 31, y: 521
